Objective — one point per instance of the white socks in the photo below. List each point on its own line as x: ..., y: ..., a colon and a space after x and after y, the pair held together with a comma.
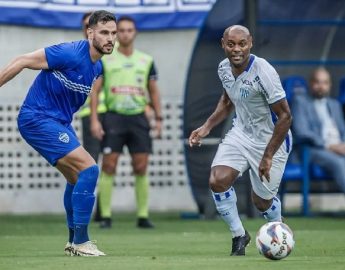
x: 227, y: 208
x: 273, y: 213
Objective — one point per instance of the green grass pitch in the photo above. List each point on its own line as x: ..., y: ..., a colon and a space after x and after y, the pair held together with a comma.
x: 37, y: 242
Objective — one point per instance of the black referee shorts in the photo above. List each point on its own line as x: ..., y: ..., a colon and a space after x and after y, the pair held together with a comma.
x: 130, y: 130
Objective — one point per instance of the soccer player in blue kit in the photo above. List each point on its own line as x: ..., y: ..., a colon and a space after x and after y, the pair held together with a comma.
x: 68, y: 71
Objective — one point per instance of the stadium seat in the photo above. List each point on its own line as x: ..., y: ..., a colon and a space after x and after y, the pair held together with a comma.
x: 296, y: 170
x: 300, y: 169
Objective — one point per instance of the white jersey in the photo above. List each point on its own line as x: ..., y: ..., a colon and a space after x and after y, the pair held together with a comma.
x: 251, y: 93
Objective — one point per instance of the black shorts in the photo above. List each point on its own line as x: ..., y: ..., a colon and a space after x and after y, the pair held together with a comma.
x: 130, y: 130
x: 91, y: 144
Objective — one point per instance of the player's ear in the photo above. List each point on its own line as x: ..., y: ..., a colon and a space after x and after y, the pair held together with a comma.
x: 90, y: 33
x: 222, y: 43
x: 250, y: 42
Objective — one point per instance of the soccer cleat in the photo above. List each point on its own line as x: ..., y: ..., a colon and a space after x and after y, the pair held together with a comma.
x: 239, y: 244
x: 87, y: 249
x: 144, y: 223
x: 68, y: 249
x: 105, y: 223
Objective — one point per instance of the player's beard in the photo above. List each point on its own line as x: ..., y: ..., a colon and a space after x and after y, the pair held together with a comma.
x: 100, y: 49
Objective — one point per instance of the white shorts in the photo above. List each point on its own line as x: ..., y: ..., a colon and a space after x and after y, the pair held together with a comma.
x: 241, y: 155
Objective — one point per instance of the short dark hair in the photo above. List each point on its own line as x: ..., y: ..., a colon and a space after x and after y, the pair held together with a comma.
x: 87, y: 14
x: 101, y: 16
x: 128, y: 19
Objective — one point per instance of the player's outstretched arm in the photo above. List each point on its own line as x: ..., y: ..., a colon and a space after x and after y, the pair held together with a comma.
x: 282, y: 126
x: 96, y: 127
x: 223, y: 109
x: 34, y: 60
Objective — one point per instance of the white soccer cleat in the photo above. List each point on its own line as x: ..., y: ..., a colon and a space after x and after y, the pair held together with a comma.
x: 68, y: 249
x: 87, y: 249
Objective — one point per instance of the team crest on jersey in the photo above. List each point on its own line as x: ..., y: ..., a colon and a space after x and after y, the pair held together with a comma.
x: 244, y: 92
x: 64, y: 137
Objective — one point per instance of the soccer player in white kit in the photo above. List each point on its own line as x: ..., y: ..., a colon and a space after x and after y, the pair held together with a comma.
x: 260, y: 139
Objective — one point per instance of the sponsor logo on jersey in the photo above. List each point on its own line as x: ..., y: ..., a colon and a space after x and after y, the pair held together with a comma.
x: 244, y: 92
x: 128, y: 90
x: 246, y: 82
x: 226, y: 79
x: 127, y: 65
x: 262, y: 88
x: 64, y: 137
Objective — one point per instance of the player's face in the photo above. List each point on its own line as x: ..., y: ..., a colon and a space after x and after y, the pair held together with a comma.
x: 320, y: 85
x: 237, y: 45
x: 103, y: 37
x: 126, y: 33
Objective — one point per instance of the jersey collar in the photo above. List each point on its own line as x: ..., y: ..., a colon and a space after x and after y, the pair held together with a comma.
x: 251, y: 60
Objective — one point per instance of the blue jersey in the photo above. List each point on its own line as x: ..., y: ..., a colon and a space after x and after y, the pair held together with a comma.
x: 62, y: 89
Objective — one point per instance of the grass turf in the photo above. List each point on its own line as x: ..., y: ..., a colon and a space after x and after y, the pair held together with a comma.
x: 37, y: 242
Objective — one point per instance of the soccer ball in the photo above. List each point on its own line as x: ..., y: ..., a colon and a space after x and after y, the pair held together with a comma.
x: 275, y: 240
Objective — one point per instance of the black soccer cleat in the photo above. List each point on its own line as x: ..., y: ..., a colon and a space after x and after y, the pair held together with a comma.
x: 239, y: 244
x: 144, y: 223
x: 105, y: 223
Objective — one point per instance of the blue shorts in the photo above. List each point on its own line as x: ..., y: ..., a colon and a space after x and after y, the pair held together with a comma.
x: 49, y: 137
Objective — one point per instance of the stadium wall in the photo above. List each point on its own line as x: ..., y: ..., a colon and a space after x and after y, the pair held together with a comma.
x: 29, y: 185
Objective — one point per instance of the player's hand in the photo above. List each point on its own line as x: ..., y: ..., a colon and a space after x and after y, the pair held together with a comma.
x: 264, y: 169
x: 97, y: 130
x: 196, y: 136
x: 158, y: 128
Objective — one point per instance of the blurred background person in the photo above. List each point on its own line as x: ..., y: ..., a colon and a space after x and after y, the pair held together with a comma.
x: 129, y: 82
x: 319, y: 121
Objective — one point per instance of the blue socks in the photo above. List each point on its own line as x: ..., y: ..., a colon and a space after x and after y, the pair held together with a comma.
x: 67, y: 201
x: 227, y: 208
x: 273, y: 213
x: 83, y: 199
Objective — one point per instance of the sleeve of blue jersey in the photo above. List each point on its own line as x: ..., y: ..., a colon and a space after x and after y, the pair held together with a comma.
x: 58, y: 56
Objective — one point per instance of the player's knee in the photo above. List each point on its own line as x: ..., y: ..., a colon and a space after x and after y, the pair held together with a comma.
x: 108, y: 167
x: 218, y: 182
x: 140, y: 169
x: 261, y: 204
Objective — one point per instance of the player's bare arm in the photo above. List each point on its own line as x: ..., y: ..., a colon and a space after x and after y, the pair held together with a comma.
x: 282, y: 111
x: 222, y: 111
x: 96, y: 126
x: 35, y: 60
x: 156, y: 105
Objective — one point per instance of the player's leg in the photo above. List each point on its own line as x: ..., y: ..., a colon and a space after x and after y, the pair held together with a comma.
x: 227, y: 165
x: 93, y: 146
x: 114, y: 139
x: 264, y: 192
x: 80, y: 168
x: 59, y: 145
x: 140, y: 163
x: 105, y: 187
x: 269, y: 208
x: 140, y: 146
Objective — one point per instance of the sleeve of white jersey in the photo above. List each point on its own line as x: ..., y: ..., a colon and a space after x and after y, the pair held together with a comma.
x: 270, y: 84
